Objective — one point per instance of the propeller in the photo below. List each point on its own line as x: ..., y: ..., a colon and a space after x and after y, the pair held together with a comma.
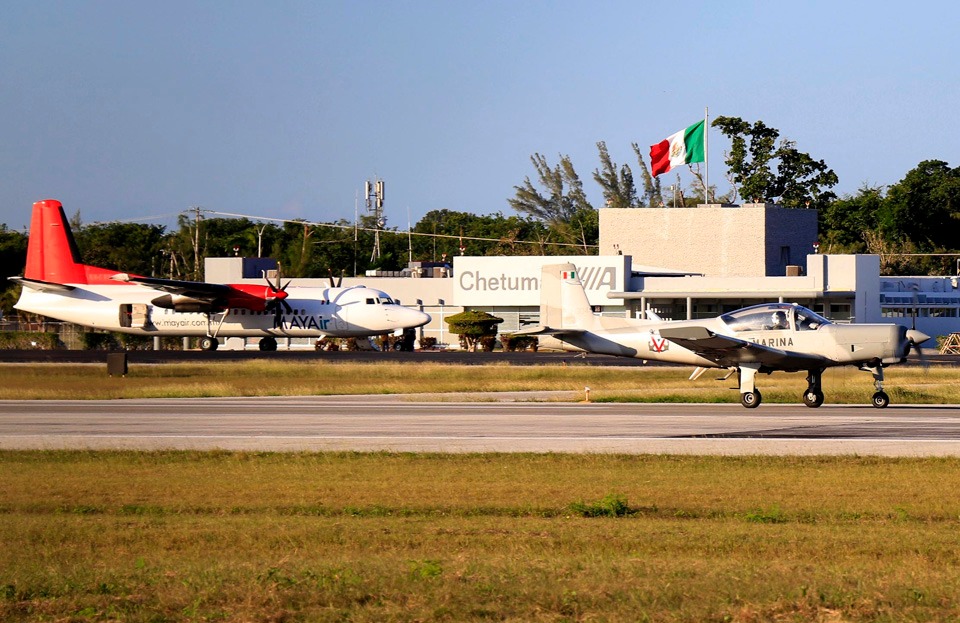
x: 914, y: 339
x: 913, y: 336
x: 339, y: 279
x: 277, y: 302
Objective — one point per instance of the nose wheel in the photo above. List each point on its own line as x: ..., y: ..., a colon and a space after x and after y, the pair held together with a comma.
x: 751, y: 399
x: 880, y: 400
x: 813, y: 396
x: 813, y: 399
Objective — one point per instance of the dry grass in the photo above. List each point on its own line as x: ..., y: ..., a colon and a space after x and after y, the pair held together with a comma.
x: 374, y: 537
x: 263, y: 378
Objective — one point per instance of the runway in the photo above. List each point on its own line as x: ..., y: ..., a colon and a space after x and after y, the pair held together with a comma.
x: 478, y: 423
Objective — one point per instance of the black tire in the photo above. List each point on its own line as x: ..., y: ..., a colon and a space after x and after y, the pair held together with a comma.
x: 268, y: 344
x: 751, y: 400
x: 880, y: 400
x: 209, y: 343
x: 812, y: 399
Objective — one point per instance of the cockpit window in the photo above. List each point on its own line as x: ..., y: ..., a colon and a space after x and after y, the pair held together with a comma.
x: 385, y: 300
x: 808, y: 320
x: 772, y: 317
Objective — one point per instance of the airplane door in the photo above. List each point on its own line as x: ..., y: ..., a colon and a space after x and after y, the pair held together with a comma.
x: 340, y: 318
x: 135, y: 316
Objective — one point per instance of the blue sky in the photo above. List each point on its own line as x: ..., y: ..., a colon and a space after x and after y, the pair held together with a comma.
x: 129, y: 110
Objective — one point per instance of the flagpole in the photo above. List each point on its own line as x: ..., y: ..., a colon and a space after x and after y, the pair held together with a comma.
x: 706, y: 154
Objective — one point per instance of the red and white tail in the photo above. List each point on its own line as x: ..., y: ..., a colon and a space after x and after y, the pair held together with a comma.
x: 52, y: 254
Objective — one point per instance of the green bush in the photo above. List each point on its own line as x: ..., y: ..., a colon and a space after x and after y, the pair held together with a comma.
x: 25, y: 340
x: 612, y: 505
x: 99, y: 341
x: 512, y: 343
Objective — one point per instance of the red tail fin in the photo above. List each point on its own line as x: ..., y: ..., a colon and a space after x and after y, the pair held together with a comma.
x: 52, y: 253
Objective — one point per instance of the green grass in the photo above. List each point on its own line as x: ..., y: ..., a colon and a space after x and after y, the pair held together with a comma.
x: 188, y: 536
x: 936, y: 385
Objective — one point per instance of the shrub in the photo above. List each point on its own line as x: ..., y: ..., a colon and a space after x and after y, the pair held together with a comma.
x: 99, y: 341
x: 472, y: 326
x: 611, y: 505
x: 24, y: 340
x: 518, y: 343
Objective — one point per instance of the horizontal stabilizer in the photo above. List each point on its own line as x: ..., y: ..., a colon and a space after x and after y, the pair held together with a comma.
x: 686, y: 333
x: 542, y: 330
x: 42, y: 286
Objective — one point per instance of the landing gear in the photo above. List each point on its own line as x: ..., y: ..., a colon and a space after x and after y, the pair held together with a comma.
x: 751, y: 399
x: 813, y: 395
x: 268, y: 344
x: 209, y: 343
x: 880, y: 399
x: 749, y: 394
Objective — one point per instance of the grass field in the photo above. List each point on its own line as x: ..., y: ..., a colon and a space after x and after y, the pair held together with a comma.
x: 182, y: 536
x: 934, y: 385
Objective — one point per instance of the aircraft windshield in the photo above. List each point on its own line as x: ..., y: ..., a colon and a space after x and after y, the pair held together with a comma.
x: 773, y: 317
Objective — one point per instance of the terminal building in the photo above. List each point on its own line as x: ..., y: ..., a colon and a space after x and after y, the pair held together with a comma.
x: 683, y: 263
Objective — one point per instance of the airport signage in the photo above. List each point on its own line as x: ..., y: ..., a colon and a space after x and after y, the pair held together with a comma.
x: 515, y: 280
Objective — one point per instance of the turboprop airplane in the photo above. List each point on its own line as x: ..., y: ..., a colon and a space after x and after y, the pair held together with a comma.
x: 758, y: 339
x: 56, y: 284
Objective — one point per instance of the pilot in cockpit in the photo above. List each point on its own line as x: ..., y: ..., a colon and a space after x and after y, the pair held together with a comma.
x: 779, y: 320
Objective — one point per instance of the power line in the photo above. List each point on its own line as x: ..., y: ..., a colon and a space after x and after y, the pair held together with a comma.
x: 396, y: 232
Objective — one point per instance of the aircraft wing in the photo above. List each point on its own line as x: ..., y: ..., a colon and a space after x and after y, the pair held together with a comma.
x: 730, y: 351
x: 193, y: 289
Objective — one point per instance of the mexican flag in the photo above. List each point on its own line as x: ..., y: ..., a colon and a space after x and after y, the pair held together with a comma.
x: 684, y: 147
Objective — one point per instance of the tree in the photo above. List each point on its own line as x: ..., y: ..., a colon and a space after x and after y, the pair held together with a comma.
x: 127, y: 247
x: 924, y: 207
x: 799, y: 181
x: 617, y: 185
x: 845, y: 222
x: 564, y: 192
x: 473, y: 326
x: 564, y: 206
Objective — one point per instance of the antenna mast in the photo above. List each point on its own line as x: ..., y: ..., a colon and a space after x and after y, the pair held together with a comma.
x: 374, y: 195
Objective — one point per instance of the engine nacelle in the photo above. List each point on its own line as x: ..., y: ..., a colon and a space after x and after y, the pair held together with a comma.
x: 186, y: 304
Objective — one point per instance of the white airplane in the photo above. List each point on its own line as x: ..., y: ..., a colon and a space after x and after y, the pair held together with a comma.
x: 56, y: 284
x: 758, y: 339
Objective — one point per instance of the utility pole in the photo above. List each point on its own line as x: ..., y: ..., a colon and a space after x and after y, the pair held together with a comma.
x: 196, y: 242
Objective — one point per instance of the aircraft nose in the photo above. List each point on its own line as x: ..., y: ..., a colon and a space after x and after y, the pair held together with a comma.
x: 413, y: 318
x: 917, y: 337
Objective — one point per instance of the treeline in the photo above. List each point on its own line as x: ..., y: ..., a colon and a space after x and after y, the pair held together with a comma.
x: 905, y: 223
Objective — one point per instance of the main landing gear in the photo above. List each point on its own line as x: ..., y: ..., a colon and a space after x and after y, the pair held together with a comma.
x: 812, y: 396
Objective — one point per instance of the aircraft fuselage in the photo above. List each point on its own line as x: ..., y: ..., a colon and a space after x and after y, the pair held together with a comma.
x: 314, y: 312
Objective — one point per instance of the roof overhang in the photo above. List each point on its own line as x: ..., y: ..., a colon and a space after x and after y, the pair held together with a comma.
x: 732, y: 294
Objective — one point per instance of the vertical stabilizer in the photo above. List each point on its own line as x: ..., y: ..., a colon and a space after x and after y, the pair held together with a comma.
x: 52, y: 254
x: 563, y: 301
